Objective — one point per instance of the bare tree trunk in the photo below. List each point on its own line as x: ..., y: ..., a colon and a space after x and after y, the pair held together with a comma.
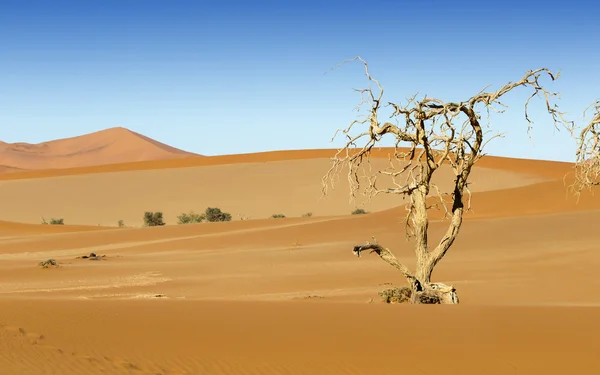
x: 420, y: 225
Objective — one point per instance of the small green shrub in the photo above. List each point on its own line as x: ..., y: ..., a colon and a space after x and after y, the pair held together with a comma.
x: 359, y: 211
x: 214, y: 214
x: 191, y: 218
x: 121, y: 224
x: 277, y: 216
x: 308, y: 214
x: 153, y: 219
x: 54, y: 221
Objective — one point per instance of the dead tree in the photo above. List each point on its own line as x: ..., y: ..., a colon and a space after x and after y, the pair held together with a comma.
x: 428, y: 134
x: 587, y: 163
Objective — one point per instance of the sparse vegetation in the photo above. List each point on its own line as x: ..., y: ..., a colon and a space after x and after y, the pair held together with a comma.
x: 277, y: 216
x: 121, y: 224
x: 153, y: 219
x: 92, y: 256
x: 308, y: 214
x: 211, y: 214
x: 48, y: 263
x: 395, y: 295
x: 215, y: 214
x: 359, y: 211
x: 191, y: 218
x: 403, y: 295
x: 54, y: 221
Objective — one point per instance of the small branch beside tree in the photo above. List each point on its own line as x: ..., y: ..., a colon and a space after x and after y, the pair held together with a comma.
x: 587, y: 163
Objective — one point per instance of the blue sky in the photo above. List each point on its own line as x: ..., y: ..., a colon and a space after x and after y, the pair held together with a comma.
x: 222, y: 77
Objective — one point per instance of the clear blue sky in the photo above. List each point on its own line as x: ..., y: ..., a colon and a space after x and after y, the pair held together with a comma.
x: 222, y: 77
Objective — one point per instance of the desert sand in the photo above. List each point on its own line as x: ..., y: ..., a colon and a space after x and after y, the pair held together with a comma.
x: 286, y: 296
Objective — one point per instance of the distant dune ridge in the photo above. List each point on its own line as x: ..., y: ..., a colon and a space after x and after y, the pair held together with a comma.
x: 109, y: 146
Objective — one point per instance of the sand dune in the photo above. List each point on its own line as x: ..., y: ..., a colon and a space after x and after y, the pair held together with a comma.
x: 246, y: 190
x: 6, y: 169
x: 110, y: 146
x: 190, y: 337
x: 263, y: 297
x: 286, y: 296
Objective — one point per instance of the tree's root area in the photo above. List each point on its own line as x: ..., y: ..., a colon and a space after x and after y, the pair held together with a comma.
x: 434, y: 293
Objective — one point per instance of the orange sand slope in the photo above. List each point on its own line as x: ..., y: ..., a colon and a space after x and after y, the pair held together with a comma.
x: 246, y: 190
x: 248, y: 186
x: 286, y: 296
x: 115, y: 145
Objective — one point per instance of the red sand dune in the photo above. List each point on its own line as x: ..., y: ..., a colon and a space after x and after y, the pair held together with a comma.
x: 110, y: 146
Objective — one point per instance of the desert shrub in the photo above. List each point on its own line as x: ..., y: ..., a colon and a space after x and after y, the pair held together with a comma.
x: 153, y: 219
x: 403, y: 295
x: 121, y: 223
x: 277, y: 216
x: 308, y: 214
x: 191, y: 218
x: 48, y: 263
x: 54, y: 221
x: 359, y: 211
x: 429, y: 299
x: 215, y: 214
x: 396, y: 295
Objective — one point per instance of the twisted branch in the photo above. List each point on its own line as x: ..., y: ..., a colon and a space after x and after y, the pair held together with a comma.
x: 387, y: 256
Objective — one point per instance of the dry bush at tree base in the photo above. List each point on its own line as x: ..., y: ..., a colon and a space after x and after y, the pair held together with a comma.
x: 404, y: 294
